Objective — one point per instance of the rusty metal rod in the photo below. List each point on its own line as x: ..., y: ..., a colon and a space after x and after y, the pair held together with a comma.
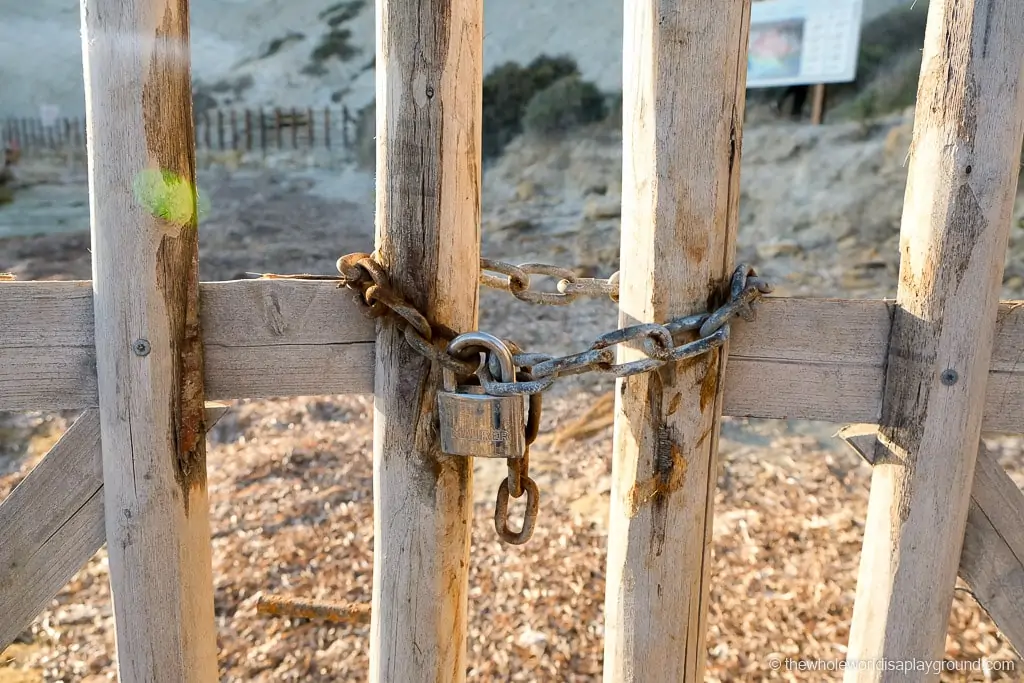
x: 337, y: 612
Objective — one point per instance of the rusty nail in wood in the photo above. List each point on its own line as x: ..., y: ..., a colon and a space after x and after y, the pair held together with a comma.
x: 337, y: 612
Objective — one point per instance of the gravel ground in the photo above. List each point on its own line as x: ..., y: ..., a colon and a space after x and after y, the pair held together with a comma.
x: 290, y: 479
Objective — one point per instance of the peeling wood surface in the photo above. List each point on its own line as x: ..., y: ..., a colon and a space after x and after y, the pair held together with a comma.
x: 429, y: 70
x: 957, y: 212
x: 52, y: 523
x: 149, y: 348
x: 683, y: 102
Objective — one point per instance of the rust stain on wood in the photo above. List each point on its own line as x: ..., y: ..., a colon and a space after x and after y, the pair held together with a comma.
x: 709, y: 382
x: 165, y: 83
x: 668, y: 469
x: 187, y: 408
x: 177, y: 270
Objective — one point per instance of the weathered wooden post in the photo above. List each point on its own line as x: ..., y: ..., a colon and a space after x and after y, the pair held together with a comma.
x: 149, y: 353
x: 683, y: 103
x: 962, y: 181
x: 429, y: 88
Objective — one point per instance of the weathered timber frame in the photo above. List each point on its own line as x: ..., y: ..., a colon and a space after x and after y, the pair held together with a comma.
x: 144, y: 346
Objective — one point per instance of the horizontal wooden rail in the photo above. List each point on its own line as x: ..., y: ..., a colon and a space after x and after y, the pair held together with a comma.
x: 262, y: 338
x: 812, y: 359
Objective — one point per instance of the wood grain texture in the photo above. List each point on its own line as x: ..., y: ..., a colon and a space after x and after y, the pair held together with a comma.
x: 142, y: 198
x: 263, y: 338
x: 52, y: 523
x: 429, y: 71
x: 813, y: 359
x: 683, y: 101
x: 992, y: 559
x: 957, y: 211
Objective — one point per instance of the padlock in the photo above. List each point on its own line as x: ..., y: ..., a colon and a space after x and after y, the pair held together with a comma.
x: 474, y: 423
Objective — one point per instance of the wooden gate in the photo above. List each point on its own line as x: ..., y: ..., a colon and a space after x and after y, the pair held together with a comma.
x: 142, y: 346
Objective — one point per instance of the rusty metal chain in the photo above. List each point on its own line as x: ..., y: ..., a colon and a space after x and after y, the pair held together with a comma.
x: 518, y: 480
x: 360, y: 271
x: 570, y: 287
x: 536, y: 372
x: 657, y: 343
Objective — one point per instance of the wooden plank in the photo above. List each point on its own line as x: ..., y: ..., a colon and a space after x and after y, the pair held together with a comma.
x: 817, y: 104
x: 992, y: 559
x: 429, y: 69
x: 683, y: 105
x: 957, y: 213
x: 52, y: 523
x: 149, y: 345
x: 814, y: 359
x: 263, y: 338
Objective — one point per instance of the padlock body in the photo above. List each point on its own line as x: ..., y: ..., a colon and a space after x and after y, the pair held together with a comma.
x: 478, y: 425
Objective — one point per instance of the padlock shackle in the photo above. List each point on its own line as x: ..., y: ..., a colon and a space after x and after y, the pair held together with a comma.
x: 491, y: 343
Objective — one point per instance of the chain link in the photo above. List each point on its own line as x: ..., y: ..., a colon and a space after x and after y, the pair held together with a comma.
x: 518, y: 480
x: 360, y: 271
x: 536, y: 372
x: 570, y: 287
x: 657, y: 343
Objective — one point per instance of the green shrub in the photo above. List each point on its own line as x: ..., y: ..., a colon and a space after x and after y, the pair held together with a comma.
x: 893, y: 90
x: 566, y: 104
x: 507, y: 90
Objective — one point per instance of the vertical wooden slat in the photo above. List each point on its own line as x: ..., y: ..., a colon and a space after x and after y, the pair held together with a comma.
x: 206, y: 130
x: 234, y: 130
x: 277, y: 125
x: 220, y: 129
x: 149, y: 353
x: 263, y: 132
x: 295, y: 128
x: 248, y: 130
x: 429, y: 75
x: 310, y: 128
x: 683, y: 102
x: 327, y: 127
x: 345, y: 118
x: 956, y: 218
x: 817, y: 104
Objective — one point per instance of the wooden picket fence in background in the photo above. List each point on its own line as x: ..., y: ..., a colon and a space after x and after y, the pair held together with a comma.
x: 248, y: 130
